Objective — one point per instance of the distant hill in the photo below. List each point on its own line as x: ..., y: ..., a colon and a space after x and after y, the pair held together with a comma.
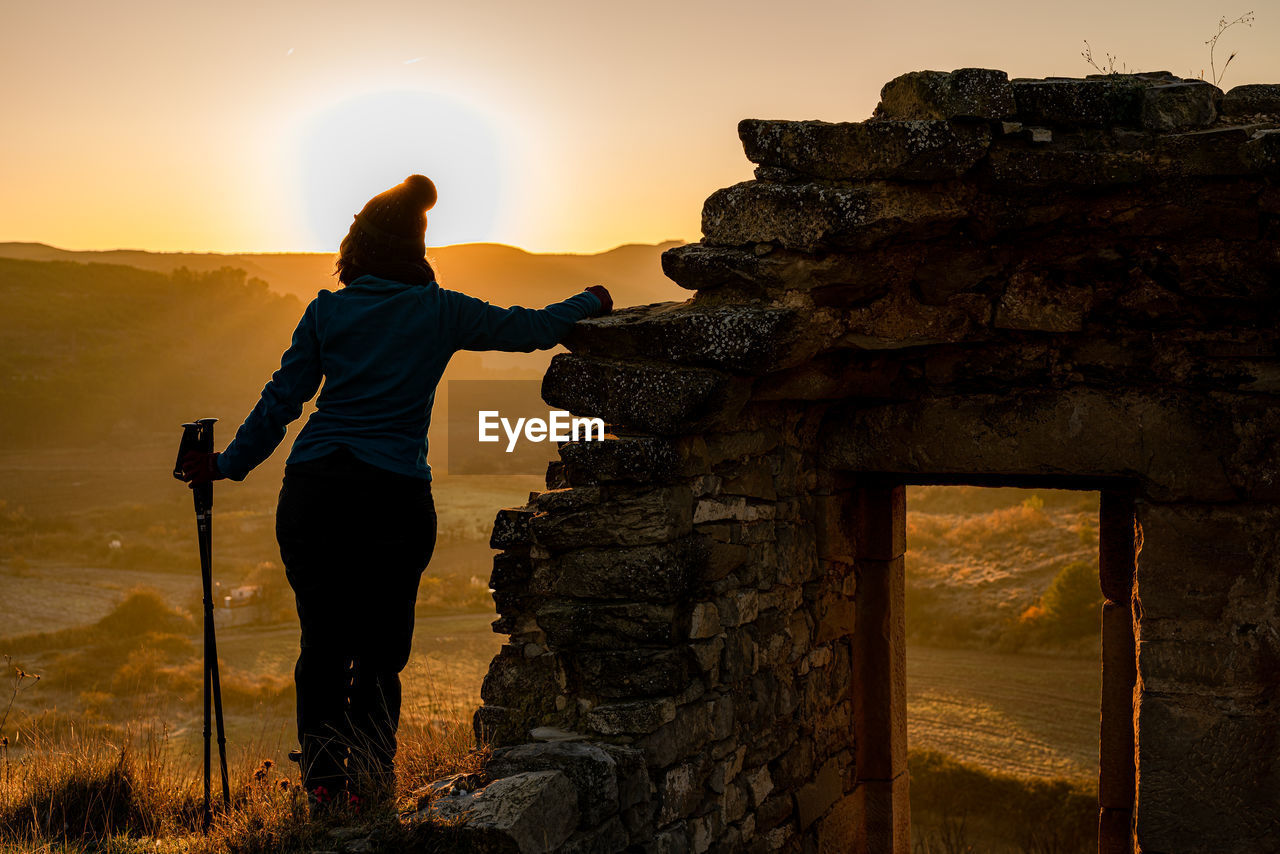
x: 502, y: 274
x: 104, y: 345
x: 88, y: 350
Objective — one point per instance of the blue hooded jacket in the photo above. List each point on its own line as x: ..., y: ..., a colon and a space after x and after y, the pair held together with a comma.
x: 381, y: 347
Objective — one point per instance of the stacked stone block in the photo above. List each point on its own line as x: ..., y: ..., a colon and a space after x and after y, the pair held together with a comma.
x: 1070, y: 282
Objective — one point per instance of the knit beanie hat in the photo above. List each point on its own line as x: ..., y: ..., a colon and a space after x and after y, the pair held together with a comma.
x: 393, y: 224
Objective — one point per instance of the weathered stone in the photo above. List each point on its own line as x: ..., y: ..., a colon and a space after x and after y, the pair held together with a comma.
x: 704, y: 621
x: 679, y: 792
x: 497, y: 725
x: 1022, y: 167
x: 510, y: 571
x: 602, y: 625
x: 738, y: 607
x: 897, y: 322
x: 705, y: 828
x: 452, y: 785
x: 1251, y: 100
x: 879, y: 648
x: 1262, y: 151
x: 758, y: 785
x: 1032, y: 303
x: 673, y: 840
x: 568, y: 500
x: 774, y: 810
x: 652, y: 573
x: 740, y: 656
x: 634, y: 787
x: 1206, y: 563
x: 639, y: 459
x: 651, y: 516
x: 1179, y: 106
x: 751, y: 478
x: 816, y: 797
x: 1072, y: 102
x: 836, y: 619
x: 631, y: 718
x: 699, y: 266
x: 527, y: 813
x: 731, y: 337
x: 888, y: 815
x: 834, y: 525
x: 1209, y: 776
x: 881, y: 515
x: 844, y: 827
x: 1177, y: 452
x: 1115, y: 742
x: 734, y: 802
x: 809, y: 216
x: 606, y: 838
x: 1214, y: 152
x: 726, y: 770
x: 968, y: 93
x: 920, y: 150
x: 708, y: 657
x: 1115, y: 831
x: 591, y: 770
x: 737, y: 509
x: 550, y: 733
x: 511, y: 528
x: 650, y: 397
x: 680, y: 738
x: 516, y: 681
x: 632, y: 672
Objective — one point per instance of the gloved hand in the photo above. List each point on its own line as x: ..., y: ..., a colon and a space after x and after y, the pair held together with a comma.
x: 198, y: 468
x: 606, y: 300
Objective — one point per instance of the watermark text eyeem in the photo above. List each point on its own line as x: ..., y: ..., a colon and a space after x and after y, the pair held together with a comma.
x: 559, y: 426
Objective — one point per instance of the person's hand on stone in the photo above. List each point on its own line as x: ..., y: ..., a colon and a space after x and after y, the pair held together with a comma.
x: 606, y: 301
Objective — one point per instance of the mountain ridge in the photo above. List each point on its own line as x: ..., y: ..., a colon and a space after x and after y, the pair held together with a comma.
x: 479, y: 268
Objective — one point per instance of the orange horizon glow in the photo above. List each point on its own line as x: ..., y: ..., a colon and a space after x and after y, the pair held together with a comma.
x: 562, y: 127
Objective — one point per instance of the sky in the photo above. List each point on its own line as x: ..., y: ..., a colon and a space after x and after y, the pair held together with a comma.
x: 561, y: 125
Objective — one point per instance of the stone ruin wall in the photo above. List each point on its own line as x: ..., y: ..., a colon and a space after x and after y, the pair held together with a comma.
x: 1056, y: 282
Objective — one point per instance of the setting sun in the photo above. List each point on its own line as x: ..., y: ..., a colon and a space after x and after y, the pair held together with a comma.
x: 356, y: 147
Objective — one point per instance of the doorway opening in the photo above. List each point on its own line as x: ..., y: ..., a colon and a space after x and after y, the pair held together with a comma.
x: 1009, y: 598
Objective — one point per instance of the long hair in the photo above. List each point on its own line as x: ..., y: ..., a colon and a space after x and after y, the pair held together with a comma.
x: 362, y: 254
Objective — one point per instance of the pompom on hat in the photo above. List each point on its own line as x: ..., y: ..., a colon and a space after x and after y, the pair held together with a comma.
x: 394, y: 223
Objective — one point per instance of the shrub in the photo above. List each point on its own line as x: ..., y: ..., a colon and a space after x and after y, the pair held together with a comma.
x: 1072, y: 601
x: 1068, y: 610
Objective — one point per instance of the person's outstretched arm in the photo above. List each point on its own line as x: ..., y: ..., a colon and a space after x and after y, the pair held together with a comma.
x: 477, y: 325
x: 281, y: 402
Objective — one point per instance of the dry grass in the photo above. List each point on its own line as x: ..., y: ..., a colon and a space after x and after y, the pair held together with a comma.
x: 961, y: 809
x: 83, y: 793
x: 121, y: 771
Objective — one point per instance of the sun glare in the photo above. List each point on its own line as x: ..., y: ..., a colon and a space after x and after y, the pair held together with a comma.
x: 357, y: 148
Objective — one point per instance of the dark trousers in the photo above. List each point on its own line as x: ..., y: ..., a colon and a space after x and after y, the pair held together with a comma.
x: 354, y: 540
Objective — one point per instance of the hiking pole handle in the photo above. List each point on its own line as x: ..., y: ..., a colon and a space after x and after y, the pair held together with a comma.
x: 197, y: 436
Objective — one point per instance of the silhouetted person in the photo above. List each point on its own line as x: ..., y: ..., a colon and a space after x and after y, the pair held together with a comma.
x: 355, y: 522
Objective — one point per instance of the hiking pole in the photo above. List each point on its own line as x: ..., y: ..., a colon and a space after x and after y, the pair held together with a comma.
x: 198, y: 436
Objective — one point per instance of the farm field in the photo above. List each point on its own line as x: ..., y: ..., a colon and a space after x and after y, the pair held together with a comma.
x: 1015, y: 713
